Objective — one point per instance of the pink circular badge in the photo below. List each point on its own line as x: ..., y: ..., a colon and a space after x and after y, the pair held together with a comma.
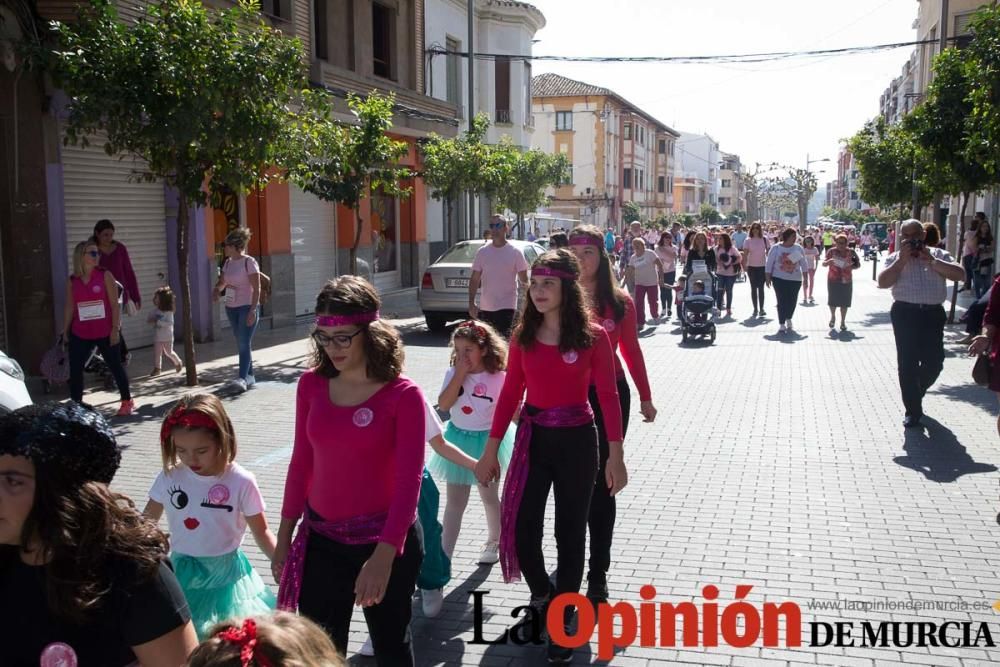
x: 363, y: 417
x: 218, y: 494
x: 479, y: 389
x: 96, y: 290
x: 609, y: 325
x: 58, y: 655
x: 570, y: 357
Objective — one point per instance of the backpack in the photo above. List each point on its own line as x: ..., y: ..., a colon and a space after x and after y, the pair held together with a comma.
x: 265, y: 283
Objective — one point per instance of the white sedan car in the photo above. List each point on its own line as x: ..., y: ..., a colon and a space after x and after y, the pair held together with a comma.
x: 13, y: 392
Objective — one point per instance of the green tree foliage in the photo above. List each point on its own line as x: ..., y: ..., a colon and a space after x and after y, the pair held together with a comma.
x: 887, y: 159
x: 709, y: 215
x: 631, y: 212
x: 201, y: 95
x: 525, y: 176
x: 984, y: 92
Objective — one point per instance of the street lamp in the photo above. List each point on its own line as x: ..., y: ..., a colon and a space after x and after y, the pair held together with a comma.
x: 805, y: 223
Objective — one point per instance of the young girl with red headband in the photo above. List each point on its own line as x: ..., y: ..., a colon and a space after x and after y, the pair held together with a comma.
x: 556, y: 352
x: 470, y: 391
x: 615, y: 311
x: 210, y: 501
x: 354, y: 478
x: 278, y: 640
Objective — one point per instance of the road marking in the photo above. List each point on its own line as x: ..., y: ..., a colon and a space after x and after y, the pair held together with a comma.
x: 273, y: 457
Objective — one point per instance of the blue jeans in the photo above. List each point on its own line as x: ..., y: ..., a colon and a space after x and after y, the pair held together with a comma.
x: 244, y: 336
x: 725, y: 288
x: 982, y: 281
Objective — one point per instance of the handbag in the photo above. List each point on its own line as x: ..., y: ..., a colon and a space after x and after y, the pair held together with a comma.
x: 982, y: 370
x: 55, y: 364
x: 265, y: 283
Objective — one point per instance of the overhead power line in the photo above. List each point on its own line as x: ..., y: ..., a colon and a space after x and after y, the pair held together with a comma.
x: 696, y: 59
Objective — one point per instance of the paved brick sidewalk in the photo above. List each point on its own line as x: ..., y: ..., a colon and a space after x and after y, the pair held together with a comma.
x: 776, y: 462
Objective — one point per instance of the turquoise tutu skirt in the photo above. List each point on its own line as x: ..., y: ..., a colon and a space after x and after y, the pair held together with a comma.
x: 221, y: 588
x: 472, y: 443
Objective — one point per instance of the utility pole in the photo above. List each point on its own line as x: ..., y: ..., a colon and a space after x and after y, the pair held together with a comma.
x: 472, y: 232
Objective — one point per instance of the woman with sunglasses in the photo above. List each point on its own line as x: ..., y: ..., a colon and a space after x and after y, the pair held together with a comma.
x: 92, y: 317
x: 354, y: 478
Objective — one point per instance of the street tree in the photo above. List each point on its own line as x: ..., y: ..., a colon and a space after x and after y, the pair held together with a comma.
x: 795, y: 189
x: 708, y: 214
x: 447, y: 164
x: 201, y: 95
x: 346, y: 163
x: 631, y: 212
x: 525, y: 176
x: 887, y: 160
x: 983, y: 51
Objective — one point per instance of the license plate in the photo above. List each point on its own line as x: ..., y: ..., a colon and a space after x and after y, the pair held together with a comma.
x: 456, y: 282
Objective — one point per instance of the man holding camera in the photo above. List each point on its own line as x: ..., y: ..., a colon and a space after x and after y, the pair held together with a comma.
x: 918, y: 276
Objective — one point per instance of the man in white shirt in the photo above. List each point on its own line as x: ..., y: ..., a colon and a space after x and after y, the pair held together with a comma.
x: 498, y: 268
x: 918, y: 276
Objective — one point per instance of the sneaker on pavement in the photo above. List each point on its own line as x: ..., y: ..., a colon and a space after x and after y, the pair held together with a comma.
x: 557, y: 654
x: 126, y: 408
x: 239, y: 384
x: 597, y: 589
x: 788, y: 327
x: 432, y: 600
x: 251, y: 382
x: 367, y: 649
x: 490, y: 553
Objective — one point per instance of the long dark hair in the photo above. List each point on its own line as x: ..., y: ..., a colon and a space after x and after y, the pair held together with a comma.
x: 689, y: 239
x: 609, y: 294
x: 725, y: 241
x: 352, y: 295
x: 575, y: 331
x: 760, y: 230
x: 664, y: 239
x: 986, y: 238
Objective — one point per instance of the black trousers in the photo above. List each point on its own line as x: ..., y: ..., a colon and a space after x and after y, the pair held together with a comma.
x: 603, y: 508
x: 919, y: 332
x: 501, y: 320
x: 787, y: 294
x: 327, y: 596
x: 667, y: 291
x: 79, y: 351
x: 563, y: 459
x: 974, y: 318
x: 755, y: 274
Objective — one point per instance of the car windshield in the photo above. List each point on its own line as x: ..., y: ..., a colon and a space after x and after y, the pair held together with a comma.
x: 463, y: 253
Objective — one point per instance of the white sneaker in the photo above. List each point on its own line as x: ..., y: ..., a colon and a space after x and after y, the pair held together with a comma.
x: 251, y: 382
x: 432, y: 600
x: 490, y: 553
x: 367, y: 649
x: 239, y: 384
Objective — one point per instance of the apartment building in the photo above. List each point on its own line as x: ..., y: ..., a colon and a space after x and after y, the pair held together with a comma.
x: 732, y: 195
x: 697, y: 170
x: 619, y: 153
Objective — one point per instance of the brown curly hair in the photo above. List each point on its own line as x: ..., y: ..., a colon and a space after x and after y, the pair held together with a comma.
x: 352, y: 295
x: 282, y: 639
x: 575, y: 331
x: 492, y: 344
x: 609, y: 294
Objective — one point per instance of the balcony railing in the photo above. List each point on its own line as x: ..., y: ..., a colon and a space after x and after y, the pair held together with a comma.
x: 529, y: 121
x: 502, y: 117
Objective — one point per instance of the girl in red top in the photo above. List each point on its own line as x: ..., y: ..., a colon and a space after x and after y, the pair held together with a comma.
x: 354, y: 478
x: 556, y: 352
x: 614, y: 310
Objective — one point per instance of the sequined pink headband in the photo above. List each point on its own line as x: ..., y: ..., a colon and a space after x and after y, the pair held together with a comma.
x: 555, y: 273
x: 585, y: 239
x: 342, y: 320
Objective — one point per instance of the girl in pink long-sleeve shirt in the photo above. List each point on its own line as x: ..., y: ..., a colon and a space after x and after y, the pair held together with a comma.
x: 556, y: 353
x: 354, y: 478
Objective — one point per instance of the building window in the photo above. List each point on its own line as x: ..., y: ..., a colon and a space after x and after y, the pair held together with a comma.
x: 453, y: 74
x: 661, y: 147
x: 383, y: 40
x: 640, y: 182
x: 727, y: 183
x: 661, y: 184
x: 319, y: 29
x: 501, y: 83
x: 628, y: 131
x: 527, y: 94
x: 564, y: 121
x: 279, y: 9
x: 627, y: 179
x: 642, y: 135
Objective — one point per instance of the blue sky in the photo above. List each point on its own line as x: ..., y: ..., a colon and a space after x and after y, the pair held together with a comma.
x: 763, y: 112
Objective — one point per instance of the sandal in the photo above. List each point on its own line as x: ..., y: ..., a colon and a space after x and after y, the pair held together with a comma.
x: 833, y: 323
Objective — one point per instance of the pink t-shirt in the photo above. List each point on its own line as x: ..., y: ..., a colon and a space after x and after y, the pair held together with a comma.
x: 237, y: 273
x: 811, y: 255
x: 668, y: 257
x: 352, y: 461
x: 499, y: 268
x: 91, y: 307
x: 726, y: 261
x: 756, y: 250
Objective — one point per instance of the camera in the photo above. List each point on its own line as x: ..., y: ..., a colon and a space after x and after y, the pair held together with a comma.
x: 915, y: 244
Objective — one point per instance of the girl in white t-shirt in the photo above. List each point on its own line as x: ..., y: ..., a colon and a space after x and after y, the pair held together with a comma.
x: 809, y: 275
x: 210, y: 501
x: 470, y: 392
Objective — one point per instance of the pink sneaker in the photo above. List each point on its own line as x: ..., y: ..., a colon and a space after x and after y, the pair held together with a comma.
x: 126, y: 408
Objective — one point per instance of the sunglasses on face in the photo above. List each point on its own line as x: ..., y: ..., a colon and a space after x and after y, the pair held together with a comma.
x: 497, y: 225
x: 93, y: 253
x: 340, y: 341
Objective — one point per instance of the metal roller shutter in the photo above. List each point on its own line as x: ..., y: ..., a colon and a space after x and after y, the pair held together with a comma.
x: 97, y: 186
x: 314, y: 246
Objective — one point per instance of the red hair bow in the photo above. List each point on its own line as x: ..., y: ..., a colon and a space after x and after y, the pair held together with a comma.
x: 186, y: 419
x: 246, y: 638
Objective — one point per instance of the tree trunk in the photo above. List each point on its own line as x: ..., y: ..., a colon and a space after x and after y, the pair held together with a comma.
x: 959, y: 243
x: 357, y: 241
x: 803, y: 213
x: 520, y: 226
x: 183, y: 229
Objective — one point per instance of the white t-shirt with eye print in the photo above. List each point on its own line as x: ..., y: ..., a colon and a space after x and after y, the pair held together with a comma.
x: 206, y: 515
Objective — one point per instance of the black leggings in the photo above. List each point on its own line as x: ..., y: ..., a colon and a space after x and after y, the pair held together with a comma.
x: 787, y: 294
x: 566, y: 459
x: 327, y: 596
x: 666, y: 292
x: 756, y: 276
x: 79, y: 352
x: 603, y: 508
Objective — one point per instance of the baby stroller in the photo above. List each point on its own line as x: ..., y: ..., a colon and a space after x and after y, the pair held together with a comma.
x: 697, y: 309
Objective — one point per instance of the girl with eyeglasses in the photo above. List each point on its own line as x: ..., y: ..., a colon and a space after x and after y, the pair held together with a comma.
x: 556, y: 353
x: 354, y: 478
x: 92, y: 317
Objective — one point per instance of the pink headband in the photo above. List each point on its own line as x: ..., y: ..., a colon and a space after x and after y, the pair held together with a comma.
x: 341, y: 320
x: 555, y: 273
x: 585, y: 239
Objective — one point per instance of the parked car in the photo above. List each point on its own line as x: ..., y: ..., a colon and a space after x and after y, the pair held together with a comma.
x: 543, y: 241
x: 444, y: 289
x: 13, y: 392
